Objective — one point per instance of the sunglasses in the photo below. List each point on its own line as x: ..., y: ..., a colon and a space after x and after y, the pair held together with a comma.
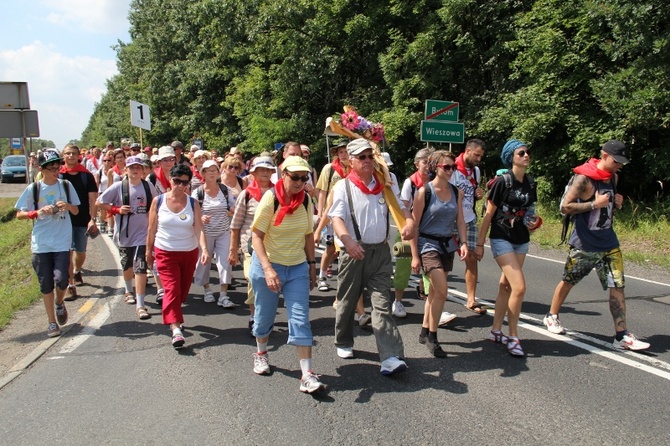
x: 364, y: 157
x: 523, y: 153
x: 107, y: 160
x: 234, y: 167
x: 447, y: 167
x: 178, y: 182
x: 169, y: 159
x: 299, y: 178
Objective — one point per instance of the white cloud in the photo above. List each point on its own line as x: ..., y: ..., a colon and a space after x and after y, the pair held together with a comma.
x: 99, y: 16
x: 62, y: 89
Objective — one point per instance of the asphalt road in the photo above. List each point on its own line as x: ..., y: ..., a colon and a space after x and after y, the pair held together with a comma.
x: 112, y: 379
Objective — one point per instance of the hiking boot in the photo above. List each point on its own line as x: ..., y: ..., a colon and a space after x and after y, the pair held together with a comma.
x: 630, y: 342
x: 553, y: 324
x: 61, y: 314
x: 78, y: 278
x: 53, y: 330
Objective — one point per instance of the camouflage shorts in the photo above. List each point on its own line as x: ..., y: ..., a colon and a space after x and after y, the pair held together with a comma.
x: 608, y: 265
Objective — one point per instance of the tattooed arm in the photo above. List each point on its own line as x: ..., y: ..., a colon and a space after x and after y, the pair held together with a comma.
x: 582, y: 189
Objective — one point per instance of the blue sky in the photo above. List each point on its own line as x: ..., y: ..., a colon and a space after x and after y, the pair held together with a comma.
x: 63, y: 49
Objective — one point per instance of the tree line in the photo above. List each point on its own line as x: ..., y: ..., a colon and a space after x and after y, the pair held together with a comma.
x: 562, y: 76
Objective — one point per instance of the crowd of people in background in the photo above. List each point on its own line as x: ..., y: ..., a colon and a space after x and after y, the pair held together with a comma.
x: 171, y: 212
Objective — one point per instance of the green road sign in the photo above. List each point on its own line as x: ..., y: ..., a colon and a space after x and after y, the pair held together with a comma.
x: 441, y: 110
x: 440, y: 131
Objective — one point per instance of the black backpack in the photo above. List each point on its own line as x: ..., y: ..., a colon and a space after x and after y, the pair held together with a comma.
x: 36, y: 191
x: 507, y: 177
x: 125, y: 200
x: 200, y: 192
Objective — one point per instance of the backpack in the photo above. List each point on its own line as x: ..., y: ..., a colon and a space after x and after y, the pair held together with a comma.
x: 125, y: 200
x: 36, y: 191
x: 200, y: 192
x: 507, y: 176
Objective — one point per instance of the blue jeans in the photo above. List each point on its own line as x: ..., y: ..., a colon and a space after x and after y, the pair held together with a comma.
x: 295, y: 288
x: 501, y: 246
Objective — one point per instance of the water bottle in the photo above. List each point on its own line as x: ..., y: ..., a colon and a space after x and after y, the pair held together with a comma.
x: 529, y: 217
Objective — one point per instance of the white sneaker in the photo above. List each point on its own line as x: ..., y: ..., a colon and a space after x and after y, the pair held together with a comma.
x: 630, y: 342
x: 345, y: 352
x: 392, y: 365
x: 261, y: 364
x: 446, y: 318
x: 323, y: 285
x: 225, y: 302
x: 209, y: 296
x: 553, y: 324
x: 310, y: 383
x: 398, y: 309
x: 364, y: 319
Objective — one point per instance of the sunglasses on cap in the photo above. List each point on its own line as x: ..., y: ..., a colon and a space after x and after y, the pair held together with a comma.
x: 296, y: 178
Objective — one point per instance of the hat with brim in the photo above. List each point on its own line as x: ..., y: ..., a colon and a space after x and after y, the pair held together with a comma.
x: 295, y: 164
x: 165, y: 152
x: 154, y: 158
x: 201, y: 153
x: 48, y: 157
x: 358, y: 146
x: 262, y: 162
x: 617, y: 150
x: 207, y: 164
x: 387, y: 158
x: 133, y: 161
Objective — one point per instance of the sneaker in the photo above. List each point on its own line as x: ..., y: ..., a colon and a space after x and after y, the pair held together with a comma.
x: 345, y: 352
x: 393, y: 364
x: 329, y: 273
x: 445, y: 318
x: 261, y: 364
x: 159, y: 296
x: 53, y: 330
x: 323, y: 285
x: 364, y: 319
x: 399, y: 309
x: 61, y: 314
x: 225, y: 302
x: 630, y: 342
x: 78, y: 278
x: 553, y: 324
x: 434, y: 348
x: 310, y: 383
x: 178, y: 340
x: 208, y: 297
x: 422, y: 338
x: 71, y: 293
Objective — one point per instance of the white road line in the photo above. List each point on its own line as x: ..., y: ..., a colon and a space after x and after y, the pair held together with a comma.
x: 606, y: 350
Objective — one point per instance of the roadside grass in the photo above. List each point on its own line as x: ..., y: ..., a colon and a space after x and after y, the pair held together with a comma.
x: 18, y: 284
x: 643, y: 232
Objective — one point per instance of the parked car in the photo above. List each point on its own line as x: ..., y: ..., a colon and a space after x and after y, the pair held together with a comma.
x: 14, y: 168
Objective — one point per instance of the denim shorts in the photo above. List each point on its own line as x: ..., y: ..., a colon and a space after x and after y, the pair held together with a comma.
x: 79, y: 239
x: 501, y: 246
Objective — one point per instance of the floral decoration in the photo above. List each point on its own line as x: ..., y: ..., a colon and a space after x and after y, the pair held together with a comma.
x: 352, y: 121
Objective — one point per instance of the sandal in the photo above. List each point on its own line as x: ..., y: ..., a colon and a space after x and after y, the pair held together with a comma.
x: 497, y: 336
x: 142, y: 313
x: 129, y: 298
x: 514, y: 347
x: 477, y: 308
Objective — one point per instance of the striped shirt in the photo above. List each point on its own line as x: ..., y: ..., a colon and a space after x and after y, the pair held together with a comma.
x: 243, y: 217
x: 216, y: 207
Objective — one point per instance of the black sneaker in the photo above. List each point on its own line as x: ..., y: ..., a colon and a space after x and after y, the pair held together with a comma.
x: 61, y: 314
x: 77, y: 278
x: 71, y: 293
x: 434, y: 348
x: 422, y: 338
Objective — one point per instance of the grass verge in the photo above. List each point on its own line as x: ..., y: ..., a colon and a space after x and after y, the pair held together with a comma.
x: 18, y: 284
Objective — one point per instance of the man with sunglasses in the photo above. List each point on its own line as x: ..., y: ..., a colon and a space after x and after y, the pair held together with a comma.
x: 360, y: 217
x: 50, y: 254
x: 591, y: 197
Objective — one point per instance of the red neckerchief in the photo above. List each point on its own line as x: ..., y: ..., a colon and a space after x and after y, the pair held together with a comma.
x: 117, y: 170
x: 354, y: 178
x: 197, y: 174
x: 73, y: 170
x: 460, y: 165
x: 160, y: 175
x: 95, y: 162
x: 590, y: 169
x: 254, y: 189
x: 339, y: 168
x: 286, y: 205
x: 416, y: 179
